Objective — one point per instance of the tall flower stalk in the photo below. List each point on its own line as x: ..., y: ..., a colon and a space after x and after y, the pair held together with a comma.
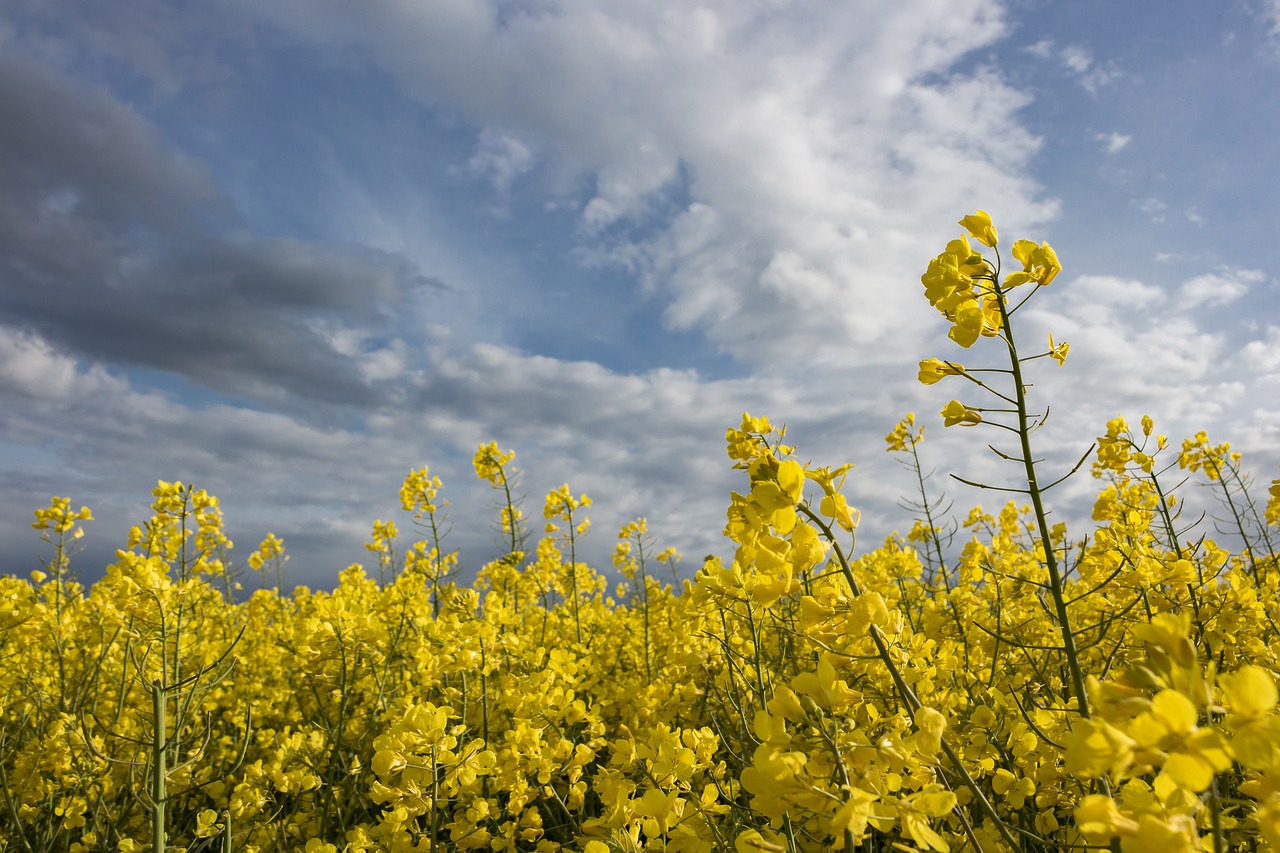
x: 967, y: 289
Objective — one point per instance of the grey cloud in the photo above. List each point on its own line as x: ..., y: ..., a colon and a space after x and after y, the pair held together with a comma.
x: 109, y: 245
x: 87, y: 159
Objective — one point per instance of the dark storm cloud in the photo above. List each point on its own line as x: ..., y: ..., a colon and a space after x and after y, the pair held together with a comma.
x: 113, y: 246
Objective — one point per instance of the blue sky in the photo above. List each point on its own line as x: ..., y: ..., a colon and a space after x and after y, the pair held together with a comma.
x: 292, y: 250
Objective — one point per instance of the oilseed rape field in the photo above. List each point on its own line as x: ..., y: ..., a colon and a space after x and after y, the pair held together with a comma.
x: 998, y: 684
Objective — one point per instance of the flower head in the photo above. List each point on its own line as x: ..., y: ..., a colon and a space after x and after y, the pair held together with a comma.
x: 933, y: 370
x: 956, y: 412
x: 980, y: 228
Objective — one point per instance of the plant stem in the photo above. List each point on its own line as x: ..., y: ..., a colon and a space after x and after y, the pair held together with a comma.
x: 1033, y: 489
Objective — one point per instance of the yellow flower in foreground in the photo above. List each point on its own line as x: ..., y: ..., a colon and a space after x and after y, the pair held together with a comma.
x: 834, y: 505
x: 206, y: 823
x: 1039, y: 263
x: 1095, y: 748
x: 930, y: 725
x: 980, y: 228
x: 1177, y: 834
x: 1194, y: 754
x: 1098, y: 818
x: 933, y: 370
x: 956, y: 412
x: 854, y: 815
x: 1250, y: 694
x: 1250, y: 691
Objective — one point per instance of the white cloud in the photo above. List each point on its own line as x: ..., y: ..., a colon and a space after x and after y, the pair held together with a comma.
x: 1079, y: 63
x: 1153, y: 207
x: 1090, y: 74
x: 1263, y: 355
x: 501, y: 158
x: 1270, y: 15
x: 1112, y: 294
x: 1042, y: 49
x: 820, y: 149
x: 1113, y: 142
x: 31, y: 366
x: 1213, y: 289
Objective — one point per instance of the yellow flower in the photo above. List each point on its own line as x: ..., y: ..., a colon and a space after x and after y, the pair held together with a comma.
x: 853, y: 815
x: 661, y: 807
x: 970, y: 319
x: 930, y: 725
x: 1099, y: 818
x: 933, y: 370
x: 834, y: 505
x: 489, y: 463
x: 1039, y: 263
x: 904, y: 436
x: 1194, y: 754
x: 1250, y: 691
x: 206, y: 823
x: 1176, y: 834
x: 956, y: 412
x: 824, y: 688
x: 1095, y: 748
x: 1251, y: 696
x: 980, y: 228
x: 1059, y: 351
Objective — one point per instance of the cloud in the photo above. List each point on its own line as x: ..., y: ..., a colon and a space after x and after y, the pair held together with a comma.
x: 109, y: 245
x: 87, y: 159
x: 1263, y: 355
x: 1042, y: 49
x: 1269, y: 13
x: 1089, y: 73
x: 804, y: 149
x: 1214, y: 289
x: 32, y: 368
x: 500, y: 158
x: 1114, y: 143
x: 647, y: 444
x: 1153, y: 207
x: 1079, y: 64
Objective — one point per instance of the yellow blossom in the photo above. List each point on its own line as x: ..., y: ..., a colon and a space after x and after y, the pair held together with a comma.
x: 932, y: 370
x: 980, y: 228
x: 956, y: 412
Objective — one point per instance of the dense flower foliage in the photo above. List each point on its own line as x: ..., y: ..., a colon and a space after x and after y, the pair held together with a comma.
x: 989, y: 684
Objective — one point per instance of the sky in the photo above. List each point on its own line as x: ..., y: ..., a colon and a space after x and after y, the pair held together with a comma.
x: 290, y: 251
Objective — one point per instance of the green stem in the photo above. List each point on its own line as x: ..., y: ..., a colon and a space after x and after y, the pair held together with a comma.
x: 934, y: 538
x: 159, y: 767
x: 1042, y: 521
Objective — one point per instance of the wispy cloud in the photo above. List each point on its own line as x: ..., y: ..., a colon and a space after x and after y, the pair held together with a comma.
x: 501, y: 158
x: 1090, y: 73
x: 1079, y: 63
x: 1113, y: 143
x: 1220, y: 288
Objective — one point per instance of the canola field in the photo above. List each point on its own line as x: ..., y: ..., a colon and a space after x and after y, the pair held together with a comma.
x: 996, y: 683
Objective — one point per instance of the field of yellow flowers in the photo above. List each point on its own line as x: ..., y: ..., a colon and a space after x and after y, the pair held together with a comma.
x: 993, y: 685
